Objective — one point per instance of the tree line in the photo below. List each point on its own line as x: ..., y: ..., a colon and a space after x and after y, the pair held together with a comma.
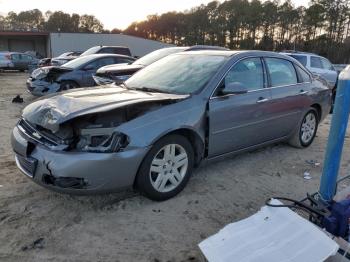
x: 35, y: 20
x: 323, y: 27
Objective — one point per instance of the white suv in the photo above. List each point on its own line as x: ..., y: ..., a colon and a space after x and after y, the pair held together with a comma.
x: 316, y: 64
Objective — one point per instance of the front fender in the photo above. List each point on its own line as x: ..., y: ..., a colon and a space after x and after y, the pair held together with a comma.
x: 189, y: 114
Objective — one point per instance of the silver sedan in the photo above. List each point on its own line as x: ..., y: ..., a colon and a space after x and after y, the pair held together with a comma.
x: 150, y: 132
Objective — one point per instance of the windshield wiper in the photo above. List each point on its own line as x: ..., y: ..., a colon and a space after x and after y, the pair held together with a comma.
x: 151, y: 89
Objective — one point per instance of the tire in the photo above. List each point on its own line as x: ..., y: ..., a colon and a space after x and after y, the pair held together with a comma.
x: 159, y: 178
x: 306, y: 132
x: 66, y: 85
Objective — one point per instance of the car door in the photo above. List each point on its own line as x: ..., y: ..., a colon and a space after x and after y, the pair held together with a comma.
x: 289, y: 95
x: 90, y: 69
x: 16, y: 60
x: 26, y: 61
x: 242, y: 120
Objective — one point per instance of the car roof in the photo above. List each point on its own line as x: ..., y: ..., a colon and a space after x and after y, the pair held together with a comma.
x: 298, y: 53
x: 236, y: 52
x: 112, y: 46
x: 108, y: 55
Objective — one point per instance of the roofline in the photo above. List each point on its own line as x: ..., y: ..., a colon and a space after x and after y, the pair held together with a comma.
x: 23, y: 33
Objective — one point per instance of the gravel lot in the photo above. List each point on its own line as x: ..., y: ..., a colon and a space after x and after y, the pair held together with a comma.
x: 39, y: 225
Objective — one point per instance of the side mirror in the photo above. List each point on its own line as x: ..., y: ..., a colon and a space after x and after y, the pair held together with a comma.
x: 89, y: 68
x: 234, y: 88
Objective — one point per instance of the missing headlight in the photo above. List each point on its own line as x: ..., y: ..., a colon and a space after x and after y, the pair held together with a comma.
x: 101, y: 140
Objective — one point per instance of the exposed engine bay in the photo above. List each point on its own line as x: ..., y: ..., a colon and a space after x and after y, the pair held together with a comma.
x: 93, y: 132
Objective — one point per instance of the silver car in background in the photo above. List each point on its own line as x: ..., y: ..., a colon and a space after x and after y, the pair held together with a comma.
x: 150, y: 132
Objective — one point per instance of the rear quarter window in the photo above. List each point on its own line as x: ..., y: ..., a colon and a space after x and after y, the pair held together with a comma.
x: 303, y: 75
x: 301, y: 58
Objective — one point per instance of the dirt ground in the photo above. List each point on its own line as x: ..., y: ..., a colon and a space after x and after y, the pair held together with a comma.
x: 39, y: 225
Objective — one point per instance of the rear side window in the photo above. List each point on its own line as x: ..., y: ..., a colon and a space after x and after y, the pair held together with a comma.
x: 316, y: 62
x: 113, y: 50
x: 304, y: 77
x: 27, y: 58
x: 248, y: 72
x: 326, y: 64
x: 281, y: 72
x: 301, y: 58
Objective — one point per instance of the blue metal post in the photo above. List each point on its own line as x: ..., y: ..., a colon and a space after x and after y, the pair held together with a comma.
x: 336, y: 136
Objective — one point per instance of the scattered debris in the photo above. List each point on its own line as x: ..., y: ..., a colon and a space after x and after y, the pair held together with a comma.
x: 37, y: 244
x: 313, y: 163
x: 17, y: 99
x: 156, y: 210
x: 307, y: 176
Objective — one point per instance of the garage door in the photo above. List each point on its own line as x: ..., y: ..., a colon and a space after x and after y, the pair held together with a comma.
x: 21, y: 45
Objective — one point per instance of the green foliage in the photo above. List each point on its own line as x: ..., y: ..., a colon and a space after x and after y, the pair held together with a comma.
x: 35, y: 20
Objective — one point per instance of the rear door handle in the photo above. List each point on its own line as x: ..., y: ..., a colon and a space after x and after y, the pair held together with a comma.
x: 262, y: 100
x: 302, y: 92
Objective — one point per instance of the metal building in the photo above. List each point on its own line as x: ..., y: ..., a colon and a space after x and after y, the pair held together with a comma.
x: 54, y: 44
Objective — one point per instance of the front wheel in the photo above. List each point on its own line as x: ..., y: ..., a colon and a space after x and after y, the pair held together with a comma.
x: 307, y: 130
x: 66, y: 85
x: 166, y: 168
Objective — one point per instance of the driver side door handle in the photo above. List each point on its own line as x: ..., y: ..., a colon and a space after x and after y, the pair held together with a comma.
x: 262, y: 100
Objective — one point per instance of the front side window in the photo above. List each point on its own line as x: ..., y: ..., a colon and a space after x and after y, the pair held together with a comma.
x: 102, y: 62
x: 16, y: 57
x: 248, y: 72
x: 179, y: 73
x: 316, y: 62
x: 281, y: 72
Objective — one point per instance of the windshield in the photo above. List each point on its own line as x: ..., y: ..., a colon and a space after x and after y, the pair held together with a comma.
x: 78, y: 62
x: 179, y: 73
x: 156, y: 55
x: 91, y: 50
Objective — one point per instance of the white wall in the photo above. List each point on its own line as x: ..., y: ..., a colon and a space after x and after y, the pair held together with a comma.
x: 63, y: 42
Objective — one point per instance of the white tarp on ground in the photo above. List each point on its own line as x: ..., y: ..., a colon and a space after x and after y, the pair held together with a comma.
x: 274, y: 234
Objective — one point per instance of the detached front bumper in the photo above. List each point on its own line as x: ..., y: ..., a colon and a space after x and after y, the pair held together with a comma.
x: 40, y: 87
x: 76, y: 172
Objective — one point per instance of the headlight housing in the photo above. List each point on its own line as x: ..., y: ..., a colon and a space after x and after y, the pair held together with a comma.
x: 40, y: 73
x: 101, y: 140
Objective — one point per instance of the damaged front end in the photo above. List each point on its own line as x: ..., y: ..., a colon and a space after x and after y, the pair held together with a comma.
x: 43, y: 80
x: 73, y: 141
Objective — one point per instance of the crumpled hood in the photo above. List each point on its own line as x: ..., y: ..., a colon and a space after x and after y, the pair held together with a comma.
x: 52, y: 111
x: 42, y: 72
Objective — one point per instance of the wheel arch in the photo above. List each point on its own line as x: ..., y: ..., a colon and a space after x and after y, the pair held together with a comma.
x: 318, y: 109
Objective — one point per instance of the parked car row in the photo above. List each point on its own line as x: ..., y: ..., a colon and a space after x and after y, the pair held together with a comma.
x: 150, y: 131
x: 76, y: 73
x: 17, y: 61
x: 119, y: 73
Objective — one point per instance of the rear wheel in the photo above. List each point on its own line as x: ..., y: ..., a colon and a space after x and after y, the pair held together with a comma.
x: 307, y: 130
x: 166, y: 168
x: 66, y: 85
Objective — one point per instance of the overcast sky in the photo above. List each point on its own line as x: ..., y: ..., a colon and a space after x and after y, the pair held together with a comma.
x: 112, y: 13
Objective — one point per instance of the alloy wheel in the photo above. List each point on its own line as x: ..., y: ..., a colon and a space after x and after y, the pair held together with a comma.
x: 308, y: 128
x: 168, y: 168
